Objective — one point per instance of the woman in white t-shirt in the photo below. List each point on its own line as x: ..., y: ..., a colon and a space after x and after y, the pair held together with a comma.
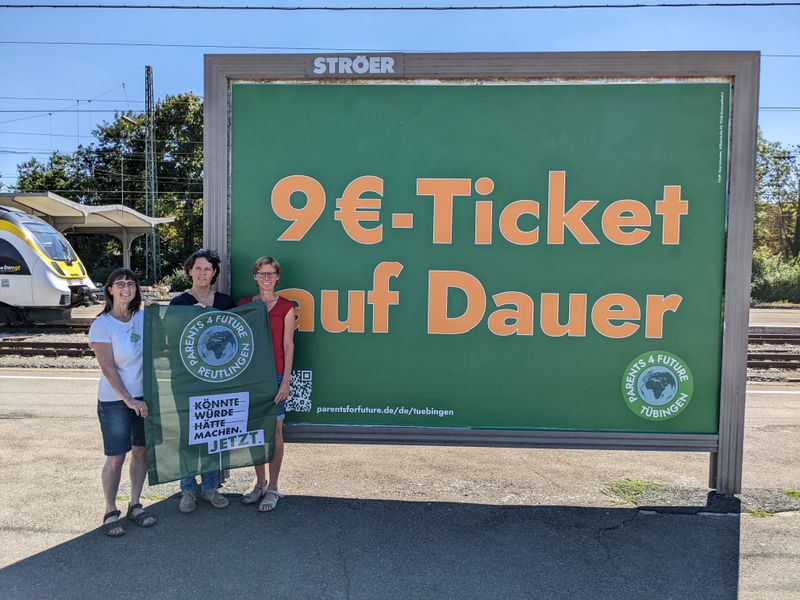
x: 116, y: 338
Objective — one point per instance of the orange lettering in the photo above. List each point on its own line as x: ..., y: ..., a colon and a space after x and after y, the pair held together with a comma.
x: 380, y: 297
x: 603, y: 312
x: 614, y: 221
x: 302, y: 218
x: 439, y: 282
x: 304, y: 309
x: 509, y: 222
x: 672, y: 208
x: 572, y: 219
x: 351, y: 209
x: 654, y: 318
x: 443, y: 191
x: 521, y: 318
x: 576, y: 316
x: 483, y: 222
x: 329, y: 312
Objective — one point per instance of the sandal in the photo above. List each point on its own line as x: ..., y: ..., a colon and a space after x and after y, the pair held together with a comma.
x: 113, y: 528
x: 142, y: 519
x: 268, y: 504
x: 258, y: 492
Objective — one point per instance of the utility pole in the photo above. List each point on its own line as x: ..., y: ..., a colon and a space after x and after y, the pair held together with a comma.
x: 152, y: 250
x: 126, y: 122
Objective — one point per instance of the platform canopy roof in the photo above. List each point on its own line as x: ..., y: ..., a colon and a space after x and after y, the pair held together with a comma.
x: 72, y: 217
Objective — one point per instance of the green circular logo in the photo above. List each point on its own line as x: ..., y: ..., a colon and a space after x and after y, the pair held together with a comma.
x: 216, y: 346
x: 657, y: 385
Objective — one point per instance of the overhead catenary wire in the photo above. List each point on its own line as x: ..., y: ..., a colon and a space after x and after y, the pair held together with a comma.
x: 126, y: 157
x: 207, y: 46
x: 399, y: 8
x: 111, y: 192
x: 67, y: 99
x: 90, y: 137
x: 63, y: 110
x: 50, y: 110
x: 248, y: 47
x: 24, y: 118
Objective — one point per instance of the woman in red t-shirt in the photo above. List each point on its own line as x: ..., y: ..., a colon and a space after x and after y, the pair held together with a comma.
x: 267, y: 273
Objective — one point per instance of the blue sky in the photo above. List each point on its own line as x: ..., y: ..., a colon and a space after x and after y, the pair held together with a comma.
x: 31, y: 66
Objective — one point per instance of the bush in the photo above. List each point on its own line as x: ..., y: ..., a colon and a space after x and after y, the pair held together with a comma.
x: 178, y: 281
x: 774, y: 279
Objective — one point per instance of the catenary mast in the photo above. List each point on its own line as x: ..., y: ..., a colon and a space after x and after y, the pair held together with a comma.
x: 152, y: 251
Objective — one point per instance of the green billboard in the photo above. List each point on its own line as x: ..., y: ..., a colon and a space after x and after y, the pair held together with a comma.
x: 522, y: 249
x: 492, y: 255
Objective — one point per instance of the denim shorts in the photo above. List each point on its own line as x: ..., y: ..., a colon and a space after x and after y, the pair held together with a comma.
x: 281, y: 414
x: 120, y: 426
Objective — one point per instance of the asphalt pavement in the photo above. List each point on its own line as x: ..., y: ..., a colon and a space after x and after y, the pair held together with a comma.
x: 366, y: 522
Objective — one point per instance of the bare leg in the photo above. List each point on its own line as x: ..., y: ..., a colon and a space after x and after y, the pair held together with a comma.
x: 277, y: 457
x: 112, y: 472
x: 258, y: 489
x: 138, y: 469
x: 261, y: 474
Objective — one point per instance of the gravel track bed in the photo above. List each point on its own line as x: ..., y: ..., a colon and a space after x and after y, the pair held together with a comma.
x: 47, y: 362
x: 774, y: 375
x: 34, y: 336
x: 44, y: 362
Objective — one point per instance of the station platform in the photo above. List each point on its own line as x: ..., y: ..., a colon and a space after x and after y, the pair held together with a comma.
x: 774, y: 320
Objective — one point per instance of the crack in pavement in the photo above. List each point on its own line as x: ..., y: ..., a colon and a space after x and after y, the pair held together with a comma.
x: 599, y: 535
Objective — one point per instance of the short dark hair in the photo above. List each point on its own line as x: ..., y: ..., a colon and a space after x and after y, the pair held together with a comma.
x: 116, y: 275
x: 209, y: 255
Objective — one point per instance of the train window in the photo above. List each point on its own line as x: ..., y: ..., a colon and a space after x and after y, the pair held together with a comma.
x: 52, y: 242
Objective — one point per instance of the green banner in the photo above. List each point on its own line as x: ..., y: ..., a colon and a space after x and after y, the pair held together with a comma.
x: 209, y: 380
x: 543, y: 256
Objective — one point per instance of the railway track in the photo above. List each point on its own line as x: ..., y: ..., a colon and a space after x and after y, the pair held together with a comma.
x: 25, y: 347
x: 774, y: 338
x: 64, y: 327
x: 773, y: 360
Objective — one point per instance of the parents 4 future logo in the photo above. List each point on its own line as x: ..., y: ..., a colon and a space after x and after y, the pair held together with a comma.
x: 657, y: 385
x: 216, y: 346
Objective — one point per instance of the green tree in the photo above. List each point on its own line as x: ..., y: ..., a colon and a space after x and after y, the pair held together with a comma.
x: 776, y: 235
x: 112, y: 171
x: 777, y: 218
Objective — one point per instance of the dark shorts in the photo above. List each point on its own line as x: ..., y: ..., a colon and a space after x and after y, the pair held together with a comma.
x: 281, y: 414
x: 120, y: 426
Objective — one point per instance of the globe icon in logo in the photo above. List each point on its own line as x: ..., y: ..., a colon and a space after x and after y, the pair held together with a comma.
x: 657, y: 386
x: 217, y: 345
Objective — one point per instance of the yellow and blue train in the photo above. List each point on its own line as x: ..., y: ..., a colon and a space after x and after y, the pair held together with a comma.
x: 41, y: 276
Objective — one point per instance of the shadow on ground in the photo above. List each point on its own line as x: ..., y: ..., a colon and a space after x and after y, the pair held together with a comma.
x: 312, y: 547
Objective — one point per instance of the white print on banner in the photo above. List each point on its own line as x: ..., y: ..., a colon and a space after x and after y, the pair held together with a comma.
x: 244, y: 440
x: 216, y: 416
x: 216, y: 346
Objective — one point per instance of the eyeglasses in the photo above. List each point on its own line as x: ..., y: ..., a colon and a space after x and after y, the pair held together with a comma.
x: 121, y: 285
x: 266, y: 274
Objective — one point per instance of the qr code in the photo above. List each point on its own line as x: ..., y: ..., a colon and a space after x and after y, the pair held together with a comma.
x: 300, y: 392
